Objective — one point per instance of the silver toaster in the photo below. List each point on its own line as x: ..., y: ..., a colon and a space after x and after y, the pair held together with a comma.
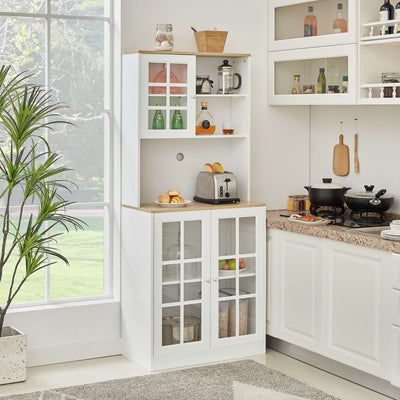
x: 216, y: 187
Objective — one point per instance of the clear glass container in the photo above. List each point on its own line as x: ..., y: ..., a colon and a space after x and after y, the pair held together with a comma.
x: 164, y: 37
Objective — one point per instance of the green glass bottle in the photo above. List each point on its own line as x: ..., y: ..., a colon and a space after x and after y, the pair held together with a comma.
x: 177, y: 120
x: 158, y: 119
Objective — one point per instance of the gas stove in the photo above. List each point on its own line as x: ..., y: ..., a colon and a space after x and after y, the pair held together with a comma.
x: 354, y: 219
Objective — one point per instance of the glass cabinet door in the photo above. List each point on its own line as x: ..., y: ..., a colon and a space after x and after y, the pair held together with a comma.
x: 235, y: 262
x: 168, y: 95
x: 180, y: 292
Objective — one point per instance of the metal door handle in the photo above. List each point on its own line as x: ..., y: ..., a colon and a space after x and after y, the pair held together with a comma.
x: 208, y: 280
x: 215, y: 279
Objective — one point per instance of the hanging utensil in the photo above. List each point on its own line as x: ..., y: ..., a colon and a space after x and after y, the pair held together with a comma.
x: 356, y: 162
x: 341, y: 163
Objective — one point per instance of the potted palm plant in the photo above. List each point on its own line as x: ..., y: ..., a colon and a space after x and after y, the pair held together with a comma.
x: 32, y: 203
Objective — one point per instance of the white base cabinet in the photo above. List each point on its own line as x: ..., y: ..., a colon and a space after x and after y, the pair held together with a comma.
x: 331, y: 298
x: 179, y: 307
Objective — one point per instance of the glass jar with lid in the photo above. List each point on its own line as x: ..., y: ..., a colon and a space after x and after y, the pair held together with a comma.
x: 390, y: 77
x: 164, y: 37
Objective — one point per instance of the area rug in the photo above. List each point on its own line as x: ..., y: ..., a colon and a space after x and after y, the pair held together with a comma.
x: 239, y: 380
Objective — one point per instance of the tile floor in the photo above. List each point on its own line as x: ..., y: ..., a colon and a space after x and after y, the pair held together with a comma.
x: 101, y: 369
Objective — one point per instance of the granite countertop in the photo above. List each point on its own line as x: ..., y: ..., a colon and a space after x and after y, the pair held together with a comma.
x: 333, y: 232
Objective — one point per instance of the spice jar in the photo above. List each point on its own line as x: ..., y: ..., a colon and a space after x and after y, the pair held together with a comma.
x: 164, y: 37
x: 390, y: 77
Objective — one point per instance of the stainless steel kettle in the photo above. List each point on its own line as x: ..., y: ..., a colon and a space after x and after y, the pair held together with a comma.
x: 226, y: 78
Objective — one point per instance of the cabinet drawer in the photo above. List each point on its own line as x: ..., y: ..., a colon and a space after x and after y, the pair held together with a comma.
x: 396, y: 307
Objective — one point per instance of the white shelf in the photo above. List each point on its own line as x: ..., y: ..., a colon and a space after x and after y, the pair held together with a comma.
x: 221, y: 95
x: 393, y: 37
x: 392, y: 22
x: 168, y: 135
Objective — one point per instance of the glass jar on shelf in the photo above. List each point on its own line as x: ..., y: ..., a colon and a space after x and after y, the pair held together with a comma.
x: 164, y: 37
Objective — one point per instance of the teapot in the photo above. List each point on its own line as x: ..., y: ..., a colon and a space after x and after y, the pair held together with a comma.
x: 226, y: 78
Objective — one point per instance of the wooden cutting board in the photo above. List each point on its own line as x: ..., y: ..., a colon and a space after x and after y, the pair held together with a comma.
x: 341, y: 162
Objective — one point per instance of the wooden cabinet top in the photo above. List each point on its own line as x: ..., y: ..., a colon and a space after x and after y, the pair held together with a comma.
x: 194, y: 206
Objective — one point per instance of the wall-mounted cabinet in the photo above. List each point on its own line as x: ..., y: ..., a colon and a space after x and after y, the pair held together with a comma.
x: 286, y: 24
x: 368, y: 53
x: 337, y: 61
x: 162, y: 83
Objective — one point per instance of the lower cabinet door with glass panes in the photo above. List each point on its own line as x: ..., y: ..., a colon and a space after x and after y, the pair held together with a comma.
x: 209, y: 285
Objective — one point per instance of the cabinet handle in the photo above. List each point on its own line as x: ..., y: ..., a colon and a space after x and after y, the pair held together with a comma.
x: 215, y: 279
x: 208, y: 280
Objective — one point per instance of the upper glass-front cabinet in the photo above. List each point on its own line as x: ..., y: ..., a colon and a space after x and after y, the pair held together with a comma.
x: 287, y: 21
x: 338, y: 62
x: 168, y: 96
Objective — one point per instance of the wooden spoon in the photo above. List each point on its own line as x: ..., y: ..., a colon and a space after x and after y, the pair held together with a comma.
x: 356, y: 162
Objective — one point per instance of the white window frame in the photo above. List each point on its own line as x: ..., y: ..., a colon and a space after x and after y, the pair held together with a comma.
x: 112, y: 106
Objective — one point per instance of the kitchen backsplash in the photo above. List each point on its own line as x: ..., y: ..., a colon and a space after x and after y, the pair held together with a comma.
x: 378, y: 147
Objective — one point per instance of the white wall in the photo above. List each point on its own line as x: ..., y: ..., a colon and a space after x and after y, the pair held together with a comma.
x: 280, y: 146
x: 378, y: 148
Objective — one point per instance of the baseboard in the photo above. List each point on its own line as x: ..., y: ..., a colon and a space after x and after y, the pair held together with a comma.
x: 334, y: 367
x: 67, y: 352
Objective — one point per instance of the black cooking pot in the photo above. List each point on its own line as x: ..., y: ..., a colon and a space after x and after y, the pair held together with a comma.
x: 327, y: 194
x: 369, y: 200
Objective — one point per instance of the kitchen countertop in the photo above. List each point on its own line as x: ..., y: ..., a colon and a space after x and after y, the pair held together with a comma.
x: 332, y: 232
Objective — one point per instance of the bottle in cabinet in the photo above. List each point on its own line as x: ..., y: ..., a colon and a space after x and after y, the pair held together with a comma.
x: 321, y: 87
x: 386, y: 13
x: 177, y: 121
x: 397, y: 14
x: 205, y: 124
x: 296, y: 89
x: 340, y: 24
x: 158, y: 119
x: 310, y: 23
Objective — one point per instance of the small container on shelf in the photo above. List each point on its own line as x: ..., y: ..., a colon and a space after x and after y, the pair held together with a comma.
x: 308, y: 89
x: 390, y: 77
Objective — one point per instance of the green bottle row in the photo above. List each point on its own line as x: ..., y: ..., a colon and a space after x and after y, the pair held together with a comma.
x: 158, y: 120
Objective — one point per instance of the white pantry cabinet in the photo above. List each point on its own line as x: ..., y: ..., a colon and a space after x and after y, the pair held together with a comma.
x: 157, y: 160
x: 332, y: 298
x: 178, y: 307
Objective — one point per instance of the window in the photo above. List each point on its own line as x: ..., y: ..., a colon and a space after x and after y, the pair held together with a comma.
x: 67, y: 47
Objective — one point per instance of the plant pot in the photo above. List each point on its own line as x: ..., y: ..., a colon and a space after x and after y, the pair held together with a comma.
x: 12, y: 356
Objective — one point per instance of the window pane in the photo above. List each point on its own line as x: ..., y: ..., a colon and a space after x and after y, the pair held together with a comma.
x: 33, y: 288
x: 85, y: 253
x: 31, y: 6
x: 78, y: 7
x: 82, y: 149
x: 77, y: 66
x: 22, y: 45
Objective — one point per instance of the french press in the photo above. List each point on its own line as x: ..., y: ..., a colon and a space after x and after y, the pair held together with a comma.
x: 226, y: 77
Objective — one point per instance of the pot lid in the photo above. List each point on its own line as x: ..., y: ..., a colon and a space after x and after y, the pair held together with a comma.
x: 327, y: 184
x: 369, y: 193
